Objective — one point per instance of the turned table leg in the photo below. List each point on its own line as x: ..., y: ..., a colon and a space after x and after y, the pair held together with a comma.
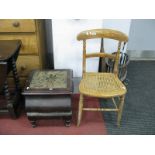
x: 8, y: 99
x: 15, y: 75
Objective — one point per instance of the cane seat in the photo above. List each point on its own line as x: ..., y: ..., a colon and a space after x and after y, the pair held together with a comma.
x: 102, y: 85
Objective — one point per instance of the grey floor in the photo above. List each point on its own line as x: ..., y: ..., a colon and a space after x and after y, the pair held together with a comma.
x: 139, y: 110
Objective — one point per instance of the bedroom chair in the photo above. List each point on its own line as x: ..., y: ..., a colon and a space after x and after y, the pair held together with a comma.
x: 102, y: 85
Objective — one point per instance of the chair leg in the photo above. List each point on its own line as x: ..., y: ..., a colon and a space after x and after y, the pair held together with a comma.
x: 120, y: 110
x: 80, y: 109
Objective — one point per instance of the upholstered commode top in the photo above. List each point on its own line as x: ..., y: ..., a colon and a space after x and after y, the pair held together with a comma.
x: 49, y: 79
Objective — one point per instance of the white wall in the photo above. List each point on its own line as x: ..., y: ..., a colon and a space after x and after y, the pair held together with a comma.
x: 142, y: 35
x: 68, y: 51
x: 117, y: 24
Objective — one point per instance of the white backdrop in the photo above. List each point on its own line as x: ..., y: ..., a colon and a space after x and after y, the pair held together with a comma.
x: 68, y: 51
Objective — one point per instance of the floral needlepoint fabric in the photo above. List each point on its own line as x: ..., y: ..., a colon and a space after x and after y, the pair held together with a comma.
x: 49, y: 79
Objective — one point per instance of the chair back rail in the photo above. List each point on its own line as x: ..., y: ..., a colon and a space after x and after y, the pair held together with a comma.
x: 102, y: 33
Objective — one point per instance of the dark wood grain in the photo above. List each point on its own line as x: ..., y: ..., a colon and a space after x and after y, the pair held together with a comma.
x: 3, y: 73
x: 9, y: 51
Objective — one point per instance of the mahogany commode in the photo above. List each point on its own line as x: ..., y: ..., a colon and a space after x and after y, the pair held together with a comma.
x: 48, y: 95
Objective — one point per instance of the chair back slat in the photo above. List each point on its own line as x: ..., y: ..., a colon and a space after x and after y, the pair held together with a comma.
x: 102, y: 55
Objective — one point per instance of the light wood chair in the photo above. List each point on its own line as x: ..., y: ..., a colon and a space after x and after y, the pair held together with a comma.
x: 102, y: 85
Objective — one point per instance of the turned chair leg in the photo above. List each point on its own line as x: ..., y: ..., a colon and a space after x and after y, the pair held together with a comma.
x: 80, y: 109
x: 120, y: 110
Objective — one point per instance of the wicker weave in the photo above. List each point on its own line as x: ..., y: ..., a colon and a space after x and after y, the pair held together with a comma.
x: 104, y: 85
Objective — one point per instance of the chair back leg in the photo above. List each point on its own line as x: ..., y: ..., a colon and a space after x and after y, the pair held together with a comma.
x: 120, y: 109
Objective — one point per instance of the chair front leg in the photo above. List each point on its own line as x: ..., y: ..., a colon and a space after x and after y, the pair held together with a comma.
x: 121, y: 104
x: 80, y: 109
